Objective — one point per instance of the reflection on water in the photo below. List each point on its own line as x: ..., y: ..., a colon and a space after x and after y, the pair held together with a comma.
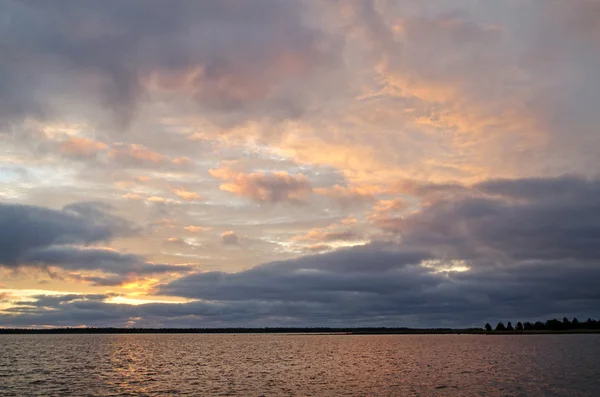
x: 303, y: 365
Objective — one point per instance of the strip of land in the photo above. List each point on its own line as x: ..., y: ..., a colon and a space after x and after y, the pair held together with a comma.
x: 331, y: 331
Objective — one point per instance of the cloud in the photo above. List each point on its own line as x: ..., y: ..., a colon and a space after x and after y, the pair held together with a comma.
x: 350, y: 220
x: 82, y: 147
x: 385, y: 209
x: 103, y: 281
x: 425, y: 190
x: 135, y: 103
x: 314, y: 248
x: 93, y: 258
x: 187, y: 195
x: 195, y: 229
x: 27, y: 228
x: 230, y: 238
x: 5, y: 296
x: 137, y: 155
x: 467, y: 91
x: 132, y: 196
x: 154, y: 199
x: 503, y: 249
x: 265, y: 187
x: 36, y: 236
x: 306, y: 277
x: 509, y: 220
x: 368, y: 285
x: 52, y: 301
x: 76, y: 258
x: 508, y: 249
x: 327, y: 235
x: 232, y: 58
x: 349, y: 196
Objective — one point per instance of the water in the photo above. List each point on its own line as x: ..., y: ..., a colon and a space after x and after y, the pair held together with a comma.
x: 299, y: 365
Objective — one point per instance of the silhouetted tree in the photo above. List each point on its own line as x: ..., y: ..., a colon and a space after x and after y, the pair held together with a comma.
x: 554, y: 325
x: 539, y: 326
x: 549, y: 325
x: 488, y: 327
x: 519, y: 326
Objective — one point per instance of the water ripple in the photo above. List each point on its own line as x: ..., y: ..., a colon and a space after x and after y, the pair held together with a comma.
x: 299, y: 365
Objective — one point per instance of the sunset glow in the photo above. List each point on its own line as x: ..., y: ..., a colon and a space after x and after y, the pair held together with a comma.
x: 305, y: 163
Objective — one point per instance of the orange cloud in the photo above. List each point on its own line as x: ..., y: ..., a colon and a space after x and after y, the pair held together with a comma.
x: 162, y: 200
x: 195, y: 229
x: 230, y: 238
x: 325, y: 235
x: 137, y: 153
x: 132, y: 196
x: 141, y: 286
x: 357, y: 162
x: 386, y: 212
x: 5, y: 296
x: 390, y: 205
x: 264, y: 187
x: 187, y: 195
x: 182, y: 161
x: 427, y: 191
x: 82, y: 147
x: 346, y: 195
x: 165, y: 222
x: 318, y: 248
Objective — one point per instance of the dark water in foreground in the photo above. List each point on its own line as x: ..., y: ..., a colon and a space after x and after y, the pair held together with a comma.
x: 300, y: 365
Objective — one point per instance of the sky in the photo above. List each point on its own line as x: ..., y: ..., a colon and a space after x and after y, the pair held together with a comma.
x: 298, y: 163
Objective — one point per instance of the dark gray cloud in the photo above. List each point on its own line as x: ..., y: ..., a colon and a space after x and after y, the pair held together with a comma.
x: 51, y: 301
x: 505, y: 221
x: 312, y: 278
x: 566, y: 188
x: 36, y: 236
x: 26, y: 228
x: 530, y: 244
x: 374, y: 282
x: 232, y: 57
x: 406, y: 295
x: 106, y: 260
x: 70, y: 257
x: 104, y: 281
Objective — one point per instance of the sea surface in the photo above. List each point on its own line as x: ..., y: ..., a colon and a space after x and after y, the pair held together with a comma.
x: 299, y: 365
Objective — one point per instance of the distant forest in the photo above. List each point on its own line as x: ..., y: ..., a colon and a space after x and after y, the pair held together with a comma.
x: 550, y: 325
x: 564, y: 326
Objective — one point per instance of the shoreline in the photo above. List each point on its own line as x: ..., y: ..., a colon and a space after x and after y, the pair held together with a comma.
x: 293, y: 331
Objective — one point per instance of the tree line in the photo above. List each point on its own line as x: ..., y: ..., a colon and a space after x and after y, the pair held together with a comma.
x: 265, y: 330
x: 549, y: 325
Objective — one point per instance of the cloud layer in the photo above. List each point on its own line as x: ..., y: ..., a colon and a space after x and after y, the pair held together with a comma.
x: 492, y: 252
x: 441, y: 157
x: 28, y: 228
x: 34, y: 236
x: 237, y: 58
